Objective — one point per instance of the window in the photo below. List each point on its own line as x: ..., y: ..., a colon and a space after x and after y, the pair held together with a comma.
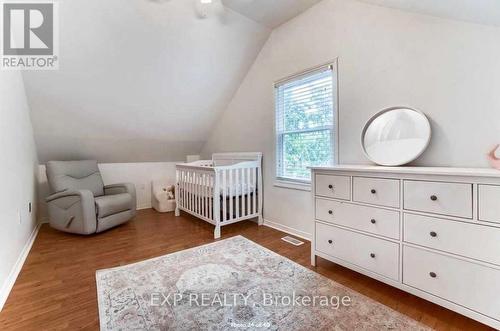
x: 305, y: 123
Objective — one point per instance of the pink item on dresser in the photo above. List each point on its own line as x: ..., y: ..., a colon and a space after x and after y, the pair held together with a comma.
x: 493, y: 159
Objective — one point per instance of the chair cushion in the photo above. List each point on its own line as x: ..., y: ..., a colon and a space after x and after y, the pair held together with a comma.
x: 112, y: 204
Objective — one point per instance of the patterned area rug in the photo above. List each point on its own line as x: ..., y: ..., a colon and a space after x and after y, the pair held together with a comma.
x: 234, y: 284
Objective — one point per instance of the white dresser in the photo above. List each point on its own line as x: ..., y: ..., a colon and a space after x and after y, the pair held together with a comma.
x: 433, y: 232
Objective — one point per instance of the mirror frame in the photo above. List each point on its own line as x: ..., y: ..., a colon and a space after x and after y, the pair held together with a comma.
x: 386, y: 110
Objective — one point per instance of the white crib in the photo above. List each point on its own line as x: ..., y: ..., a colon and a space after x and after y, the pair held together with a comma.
x: 221, y: 191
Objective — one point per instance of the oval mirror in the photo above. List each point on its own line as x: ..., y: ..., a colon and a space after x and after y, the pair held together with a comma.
x: 396, y: 136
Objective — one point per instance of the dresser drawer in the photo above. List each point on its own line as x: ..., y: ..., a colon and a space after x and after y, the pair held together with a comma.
x: 376, y: 255
x: 464, y: 283
x: 370, y: 219
x: 453, y: 199
x: 333, y: 186
x: 489, y: 203
x: 453, y: 237
x: 376, y: 191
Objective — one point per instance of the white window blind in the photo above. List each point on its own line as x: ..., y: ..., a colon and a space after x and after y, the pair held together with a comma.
x: 305, y: 120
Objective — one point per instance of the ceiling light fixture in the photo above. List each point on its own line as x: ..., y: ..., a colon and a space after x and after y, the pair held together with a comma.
x: 205, y: 8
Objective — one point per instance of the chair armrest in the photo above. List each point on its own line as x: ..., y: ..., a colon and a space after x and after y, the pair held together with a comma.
x: 83, y: 194
x: 119, y: 188
x: 122, y: 188
x: 73, y: 211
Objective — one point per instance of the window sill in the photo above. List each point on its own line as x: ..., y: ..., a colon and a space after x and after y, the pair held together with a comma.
x: 293, y: 185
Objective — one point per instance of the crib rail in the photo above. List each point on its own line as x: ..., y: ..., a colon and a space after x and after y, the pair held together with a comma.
x: 239, y: 198
x: 194, y: 192
x: 200, y: 164
x: 220, y: 195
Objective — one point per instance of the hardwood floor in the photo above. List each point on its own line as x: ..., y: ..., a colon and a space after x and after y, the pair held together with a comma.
x: 56, y: 288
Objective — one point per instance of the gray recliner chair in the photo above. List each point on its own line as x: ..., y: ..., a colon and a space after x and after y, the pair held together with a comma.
x: 79, y: 201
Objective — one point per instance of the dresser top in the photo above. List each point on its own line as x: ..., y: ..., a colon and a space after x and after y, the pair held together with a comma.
x: 444, y: 171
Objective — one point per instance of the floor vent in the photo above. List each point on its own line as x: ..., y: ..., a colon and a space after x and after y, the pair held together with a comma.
x: 292, y: 241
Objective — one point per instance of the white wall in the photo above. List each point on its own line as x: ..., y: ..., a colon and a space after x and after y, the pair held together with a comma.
x: 139, y: 80
x: 18, y: 185
x: 448, y: 69
x: 140, y: 174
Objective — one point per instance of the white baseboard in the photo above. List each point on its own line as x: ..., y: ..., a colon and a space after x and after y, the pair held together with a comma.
x: 287, y: 229
x: 16, y: 269
x: 143, y: 207
x: 43, y: 220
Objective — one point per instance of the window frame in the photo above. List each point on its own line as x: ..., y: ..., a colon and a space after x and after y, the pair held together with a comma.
x: 297, y: 183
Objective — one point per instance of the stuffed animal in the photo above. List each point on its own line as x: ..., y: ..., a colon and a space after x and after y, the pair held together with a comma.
x: 163, y: 196
x: 171, y: 192
x: 493, y: 159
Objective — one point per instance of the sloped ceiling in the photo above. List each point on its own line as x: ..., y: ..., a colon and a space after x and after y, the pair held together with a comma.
x: 139, y: 80
x: 476, y: 11
x: 146, y: 80
x: 271, y: 13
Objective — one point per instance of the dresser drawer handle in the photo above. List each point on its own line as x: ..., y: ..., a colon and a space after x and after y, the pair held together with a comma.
x: 330, y: 241
x: 330, y: 212
x: 373, y: 221
x: 432, y: 274
x: 372, y: 255
x: 373, y: 191
x: 434, y: 198
x: 330, y: 186
x: 433, y: 234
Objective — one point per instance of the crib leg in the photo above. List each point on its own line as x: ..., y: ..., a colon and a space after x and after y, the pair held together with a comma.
x: 217, y: 232
x: 261, y: 220
x: 177, y: 212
